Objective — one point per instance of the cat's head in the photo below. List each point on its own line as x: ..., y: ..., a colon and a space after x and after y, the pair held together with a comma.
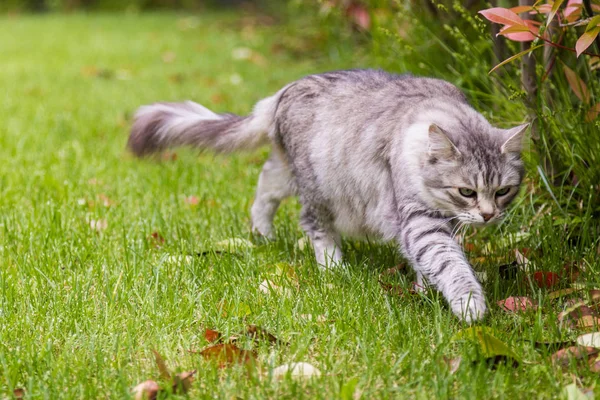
x: 473, y: 175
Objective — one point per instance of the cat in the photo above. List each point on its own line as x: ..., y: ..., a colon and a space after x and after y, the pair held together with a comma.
x: 369, y: 153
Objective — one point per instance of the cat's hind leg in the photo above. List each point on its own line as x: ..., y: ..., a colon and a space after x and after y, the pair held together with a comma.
x: 275, y: 183
x: 326, y: 242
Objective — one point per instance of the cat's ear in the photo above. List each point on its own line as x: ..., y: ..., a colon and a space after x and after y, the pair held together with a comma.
x: 440, y: 146
x: 514, y: 143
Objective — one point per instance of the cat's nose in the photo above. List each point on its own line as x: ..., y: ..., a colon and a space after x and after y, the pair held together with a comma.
x: 487, y: 216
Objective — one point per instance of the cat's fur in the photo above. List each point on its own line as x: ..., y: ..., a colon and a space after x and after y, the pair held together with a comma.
x: 368, y: 153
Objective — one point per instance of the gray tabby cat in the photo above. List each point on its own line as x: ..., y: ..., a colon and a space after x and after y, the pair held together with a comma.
x: 369, y: 154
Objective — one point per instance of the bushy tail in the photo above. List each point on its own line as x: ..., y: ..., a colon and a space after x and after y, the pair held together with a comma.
x: 163, y: 125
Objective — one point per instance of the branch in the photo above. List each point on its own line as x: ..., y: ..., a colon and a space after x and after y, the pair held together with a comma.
x: 560, y: 46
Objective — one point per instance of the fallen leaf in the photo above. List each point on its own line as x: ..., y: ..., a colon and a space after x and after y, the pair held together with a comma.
x: 211, y: 335
x: 227, y: 354
x: 19, y: 393
x: 453, y: 363
x: 162, y: 366
x: 258, y: 333
x: 561, y: 293
x: 572, y: 392
x: 490, y: 346
x: 589, y: 340
x: 183, y: 381
x: 588, y: 321
x: 578, y: 315
x: 564, y: 357
x: 545, y: 279
x: 268, y: 287
x: 522, y: 261
x: 156, y: 240
x: 516, y: 304
x: 394, y: 270
x: 296, y: 370
x: 147, y: 390
x: 394, y: 290
x: 595, y: 365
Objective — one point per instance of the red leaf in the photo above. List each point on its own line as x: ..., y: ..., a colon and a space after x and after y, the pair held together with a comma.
x: 516, y: 304
x: 593, y: 112
x: 564, y: 357
x: 586, y: 40
x: 544, y: 8
x: 521, y: 9
x: 577, y: 85
x: 573, y: 10
x: 359, y: 15
x: 212, y: 335
x: 545, y: 279
x: 502, y: 16
x: 228, y: 354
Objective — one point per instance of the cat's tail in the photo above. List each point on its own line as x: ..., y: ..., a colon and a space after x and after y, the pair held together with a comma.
x: 162, y: 125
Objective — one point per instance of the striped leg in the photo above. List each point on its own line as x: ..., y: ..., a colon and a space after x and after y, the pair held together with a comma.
x: 326, y: 243
x: 426, y: 240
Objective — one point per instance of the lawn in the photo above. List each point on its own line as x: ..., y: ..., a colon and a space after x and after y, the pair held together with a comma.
x: 105, y: 257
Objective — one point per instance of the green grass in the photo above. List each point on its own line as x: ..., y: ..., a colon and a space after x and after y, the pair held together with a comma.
x: 80, y: 310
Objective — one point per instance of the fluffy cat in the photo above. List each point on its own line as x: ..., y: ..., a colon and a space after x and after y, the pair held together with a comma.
x: 369, y: 153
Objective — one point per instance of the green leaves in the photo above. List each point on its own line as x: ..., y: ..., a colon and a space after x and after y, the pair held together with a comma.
x: 488, y: 345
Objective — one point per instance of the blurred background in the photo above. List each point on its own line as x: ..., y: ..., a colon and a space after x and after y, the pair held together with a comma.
x: 543, y: 79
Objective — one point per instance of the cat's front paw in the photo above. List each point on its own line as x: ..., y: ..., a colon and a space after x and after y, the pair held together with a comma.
x: 469, y: 307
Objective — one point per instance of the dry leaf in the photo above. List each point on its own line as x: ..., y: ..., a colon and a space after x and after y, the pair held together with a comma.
x: 453, y: 363
x: 395, y: 290
x: 589, y: 340
x: 595, y: 365
x: 562, y: 292
x: 267, y: 287
x: 588, y: 321
x: 147, y: 390
x: 183, y: 381
x: 19, y: 393
x: 258, y: 333
x: 545, y: 279
x: 162, y: 366
x: 212, y: 335
x: 156, y: 240
x: 564, y: 357
x: 394, y: 270
x: 516, y: 304
x: 228, y: 354
x: 296, y: 370
x: 522, y: 261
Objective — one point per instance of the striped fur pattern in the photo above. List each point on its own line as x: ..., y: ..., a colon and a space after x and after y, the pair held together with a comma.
x: 368, y: 153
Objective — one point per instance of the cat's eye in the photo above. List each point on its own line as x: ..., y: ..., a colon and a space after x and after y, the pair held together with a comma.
x: 467, y: 192
x: 502, y: 192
